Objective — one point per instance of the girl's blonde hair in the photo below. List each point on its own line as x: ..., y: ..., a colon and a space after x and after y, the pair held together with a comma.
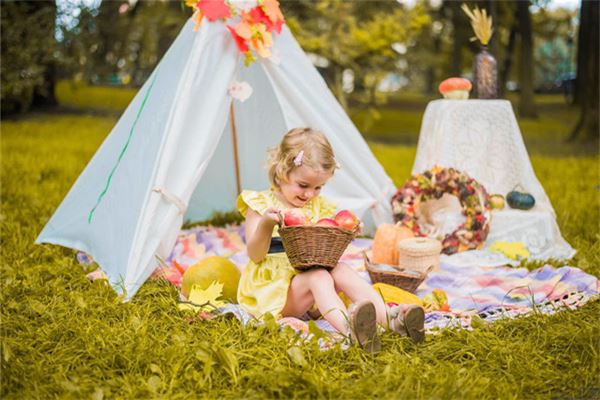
x: 317, y: 154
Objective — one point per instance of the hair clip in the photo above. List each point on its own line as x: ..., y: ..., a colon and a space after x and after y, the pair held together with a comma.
x: 298, y: 158
x: 337, y: 165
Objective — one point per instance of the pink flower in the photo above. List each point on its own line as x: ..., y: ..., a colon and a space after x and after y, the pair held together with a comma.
x: 214, y: 9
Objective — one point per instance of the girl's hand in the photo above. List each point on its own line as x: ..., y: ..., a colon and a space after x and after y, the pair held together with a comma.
x: 273, y: 216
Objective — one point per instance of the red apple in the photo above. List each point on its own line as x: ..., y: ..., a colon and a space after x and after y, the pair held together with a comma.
x: 347, y: 220
x: 327, y: 222
x: 295, y: 217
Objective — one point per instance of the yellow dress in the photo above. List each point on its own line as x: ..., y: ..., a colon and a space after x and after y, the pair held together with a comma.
x: 264, y: 286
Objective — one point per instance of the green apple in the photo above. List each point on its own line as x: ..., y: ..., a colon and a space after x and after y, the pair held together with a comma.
x: 497, y: 201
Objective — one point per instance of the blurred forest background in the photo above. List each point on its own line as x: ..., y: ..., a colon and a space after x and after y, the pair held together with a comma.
x: 374, y: 55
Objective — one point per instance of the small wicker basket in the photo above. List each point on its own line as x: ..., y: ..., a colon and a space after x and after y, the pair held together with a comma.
x: 406, y: 279
x: 314, y: 246
x: 419, y: 254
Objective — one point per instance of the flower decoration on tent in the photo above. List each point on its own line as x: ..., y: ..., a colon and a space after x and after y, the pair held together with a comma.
x: 240, y: 90
x: 432, y: 184
x: 250, y: 28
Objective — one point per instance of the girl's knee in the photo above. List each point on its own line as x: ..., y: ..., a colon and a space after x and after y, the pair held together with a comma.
x: 341, y: 272
x: 318, y: 277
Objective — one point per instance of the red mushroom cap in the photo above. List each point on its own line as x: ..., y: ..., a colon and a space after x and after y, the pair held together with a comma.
x: 455, y: 84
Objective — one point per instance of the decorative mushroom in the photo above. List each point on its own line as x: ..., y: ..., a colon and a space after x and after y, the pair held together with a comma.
x: 455, y: 88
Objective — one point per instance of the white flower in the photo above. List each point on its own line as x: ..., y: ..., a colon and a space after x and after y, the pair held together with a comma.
x: 239, y: 90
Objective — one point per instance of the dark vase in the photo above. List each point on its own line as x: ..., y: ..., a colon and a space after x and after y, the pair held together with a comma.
x: 485, y: 75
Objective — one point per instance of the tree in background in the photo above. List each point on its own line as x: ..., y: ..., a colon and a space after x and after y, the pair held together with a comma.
x: 527, y: 107
x: 587, y: 85
x: 119, y: 42
x: 28, y: 67
x: 554, y: 61
x: 356, y: 39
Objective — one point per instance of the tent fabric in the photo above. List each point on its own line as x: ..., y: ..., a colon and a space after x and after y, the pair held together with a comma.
x: 172, y: 150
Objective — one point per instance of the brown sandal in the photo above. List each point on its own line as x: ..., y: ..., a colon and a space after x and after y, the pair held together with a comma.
x: 409, y: 320
x: 363, y: 326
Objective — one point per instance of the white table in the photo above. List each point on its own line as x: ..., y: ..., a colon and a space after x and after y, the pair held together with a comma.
x: 482, y: 138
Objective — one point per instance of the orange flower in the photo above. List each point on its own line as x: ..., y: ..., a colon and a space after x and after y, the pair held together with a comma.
x: 244, y: 30
x: 261, y: 40
x: 198, y: 15
x: 271, y: 8
x: 258, y: 15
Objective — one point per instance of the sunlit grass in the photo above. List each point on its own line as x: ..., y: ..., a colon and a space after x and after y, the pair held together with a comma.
x: 102, y: 98
x: 64, y: 337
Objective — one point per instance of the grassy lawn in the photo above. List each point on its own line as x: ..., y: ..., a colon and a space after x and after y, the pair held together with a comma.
x: 64, y: 337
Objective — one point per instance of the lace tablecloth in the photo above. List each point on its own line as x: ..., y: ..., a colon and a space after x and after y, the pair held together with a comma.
x: 482, y: 138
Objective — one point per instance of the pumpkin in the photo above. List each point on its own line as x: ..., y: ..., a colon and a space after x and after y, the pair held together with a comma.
x: 385, y: 243
x: 520, y: 200
x: 209, y: 270
x: 455, y: 88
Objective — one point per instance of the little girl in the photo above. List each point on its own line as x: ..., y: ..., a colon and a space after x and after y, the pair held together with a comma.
x: 298, y: 168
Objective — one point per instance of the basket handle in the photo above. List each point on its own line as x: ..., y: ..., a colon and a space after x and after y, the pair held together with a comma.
x: 280, y: 216
x: 429, y: 269
x: 366, y: 258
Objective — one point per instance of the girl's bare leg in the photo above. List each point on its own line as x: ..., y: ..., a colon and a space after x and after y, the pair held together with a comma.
x: 348, y: 281
x: 316, y: 287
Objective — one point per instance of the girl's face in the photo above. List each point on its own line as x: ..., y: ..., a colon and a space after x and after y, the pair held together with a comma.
x: 303, y: 184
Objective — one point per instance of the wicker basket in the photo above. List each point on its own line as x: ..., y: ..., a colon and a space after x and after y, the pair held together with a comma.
x: 406, y: 279
x: 314, y: 246
x: 419, y: 254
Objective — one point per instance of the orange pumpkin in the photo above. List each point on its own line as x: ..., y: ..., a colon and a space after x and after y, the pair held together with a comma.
x: 385, y: 243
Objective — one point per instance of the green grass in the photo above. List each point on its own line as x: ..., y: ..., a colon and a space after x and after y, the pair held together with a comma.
x: 100, y: 98
x: 64, y: 337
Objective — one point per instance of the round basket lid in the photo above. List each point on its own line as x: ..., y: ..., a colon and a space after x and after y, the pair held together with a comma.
x: 420, y: 245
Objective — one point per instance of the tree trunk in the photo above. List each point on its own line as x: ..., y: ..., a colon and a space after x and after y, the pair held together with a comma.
x: 527, y: 106
x: 493, y: 12
x: 508, y: 59
x: 587, y: 72
x: 430, y: 76
x: 338, y: 86
x: 457, y: 39
x: 44, y: 94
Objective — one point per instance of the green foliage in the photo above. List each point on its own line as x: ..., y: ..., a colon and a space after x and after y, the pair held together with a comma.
x: 117, y: 43
x: 27, y: 49
x: 64, y: 337
x: 355, y: 37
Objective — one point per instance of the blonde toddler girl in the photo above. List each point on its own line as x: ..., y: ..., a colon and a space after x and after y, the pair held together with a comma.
x: 298, y: 169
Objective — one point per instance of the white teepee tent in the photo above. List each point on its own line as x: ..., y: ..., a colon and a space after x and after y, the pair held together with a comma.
x: 171, y: 155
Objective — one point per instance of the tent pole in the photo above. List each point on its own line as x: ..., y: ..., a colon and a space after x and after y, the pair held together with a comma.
x: 235, y: 149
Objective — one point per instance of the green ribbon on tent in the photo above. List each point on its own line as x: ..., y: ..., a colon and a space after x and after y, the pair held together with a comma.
x: 123, y: 150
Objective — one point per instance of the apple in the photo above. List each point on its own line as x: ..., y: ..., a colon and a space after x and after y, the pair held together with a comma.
x: 347, y: 220
x: 295, y: 217
x: 327, y: 222
x: 497, y: 201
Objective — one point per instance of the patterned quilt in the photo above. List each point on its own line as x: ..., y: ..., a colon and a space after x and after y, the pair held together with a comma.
x: 491, y: 293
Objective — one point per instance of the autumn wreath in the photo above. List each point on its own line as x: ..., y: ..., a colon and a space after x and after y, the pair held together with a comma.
x: 432, y: 184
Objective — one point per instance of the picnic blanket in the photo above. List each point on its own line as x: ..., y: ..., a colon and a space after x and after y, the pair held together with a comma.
x: 491, y: 293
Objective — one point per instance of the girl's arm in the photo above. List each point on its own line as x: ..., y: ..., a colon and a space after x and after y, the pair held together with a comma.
x: 259, y: 229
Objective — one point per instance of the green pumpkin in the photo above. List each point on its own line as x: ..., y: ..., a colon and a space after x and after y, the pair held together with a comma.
x: 520, y: 200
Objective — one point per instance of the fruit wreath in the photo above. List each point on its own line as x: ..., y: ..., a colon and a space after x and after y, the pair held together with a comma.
x: 432, y: 184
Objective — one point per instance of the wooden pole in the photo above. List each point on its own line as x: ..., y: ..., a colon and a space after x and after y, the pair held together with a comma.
x: 236, y: 160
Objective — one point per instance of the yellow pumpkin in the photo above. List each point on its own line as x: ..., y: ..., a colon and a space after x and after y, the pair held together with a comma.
x: 385, y: 243
x: 209, y: 270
